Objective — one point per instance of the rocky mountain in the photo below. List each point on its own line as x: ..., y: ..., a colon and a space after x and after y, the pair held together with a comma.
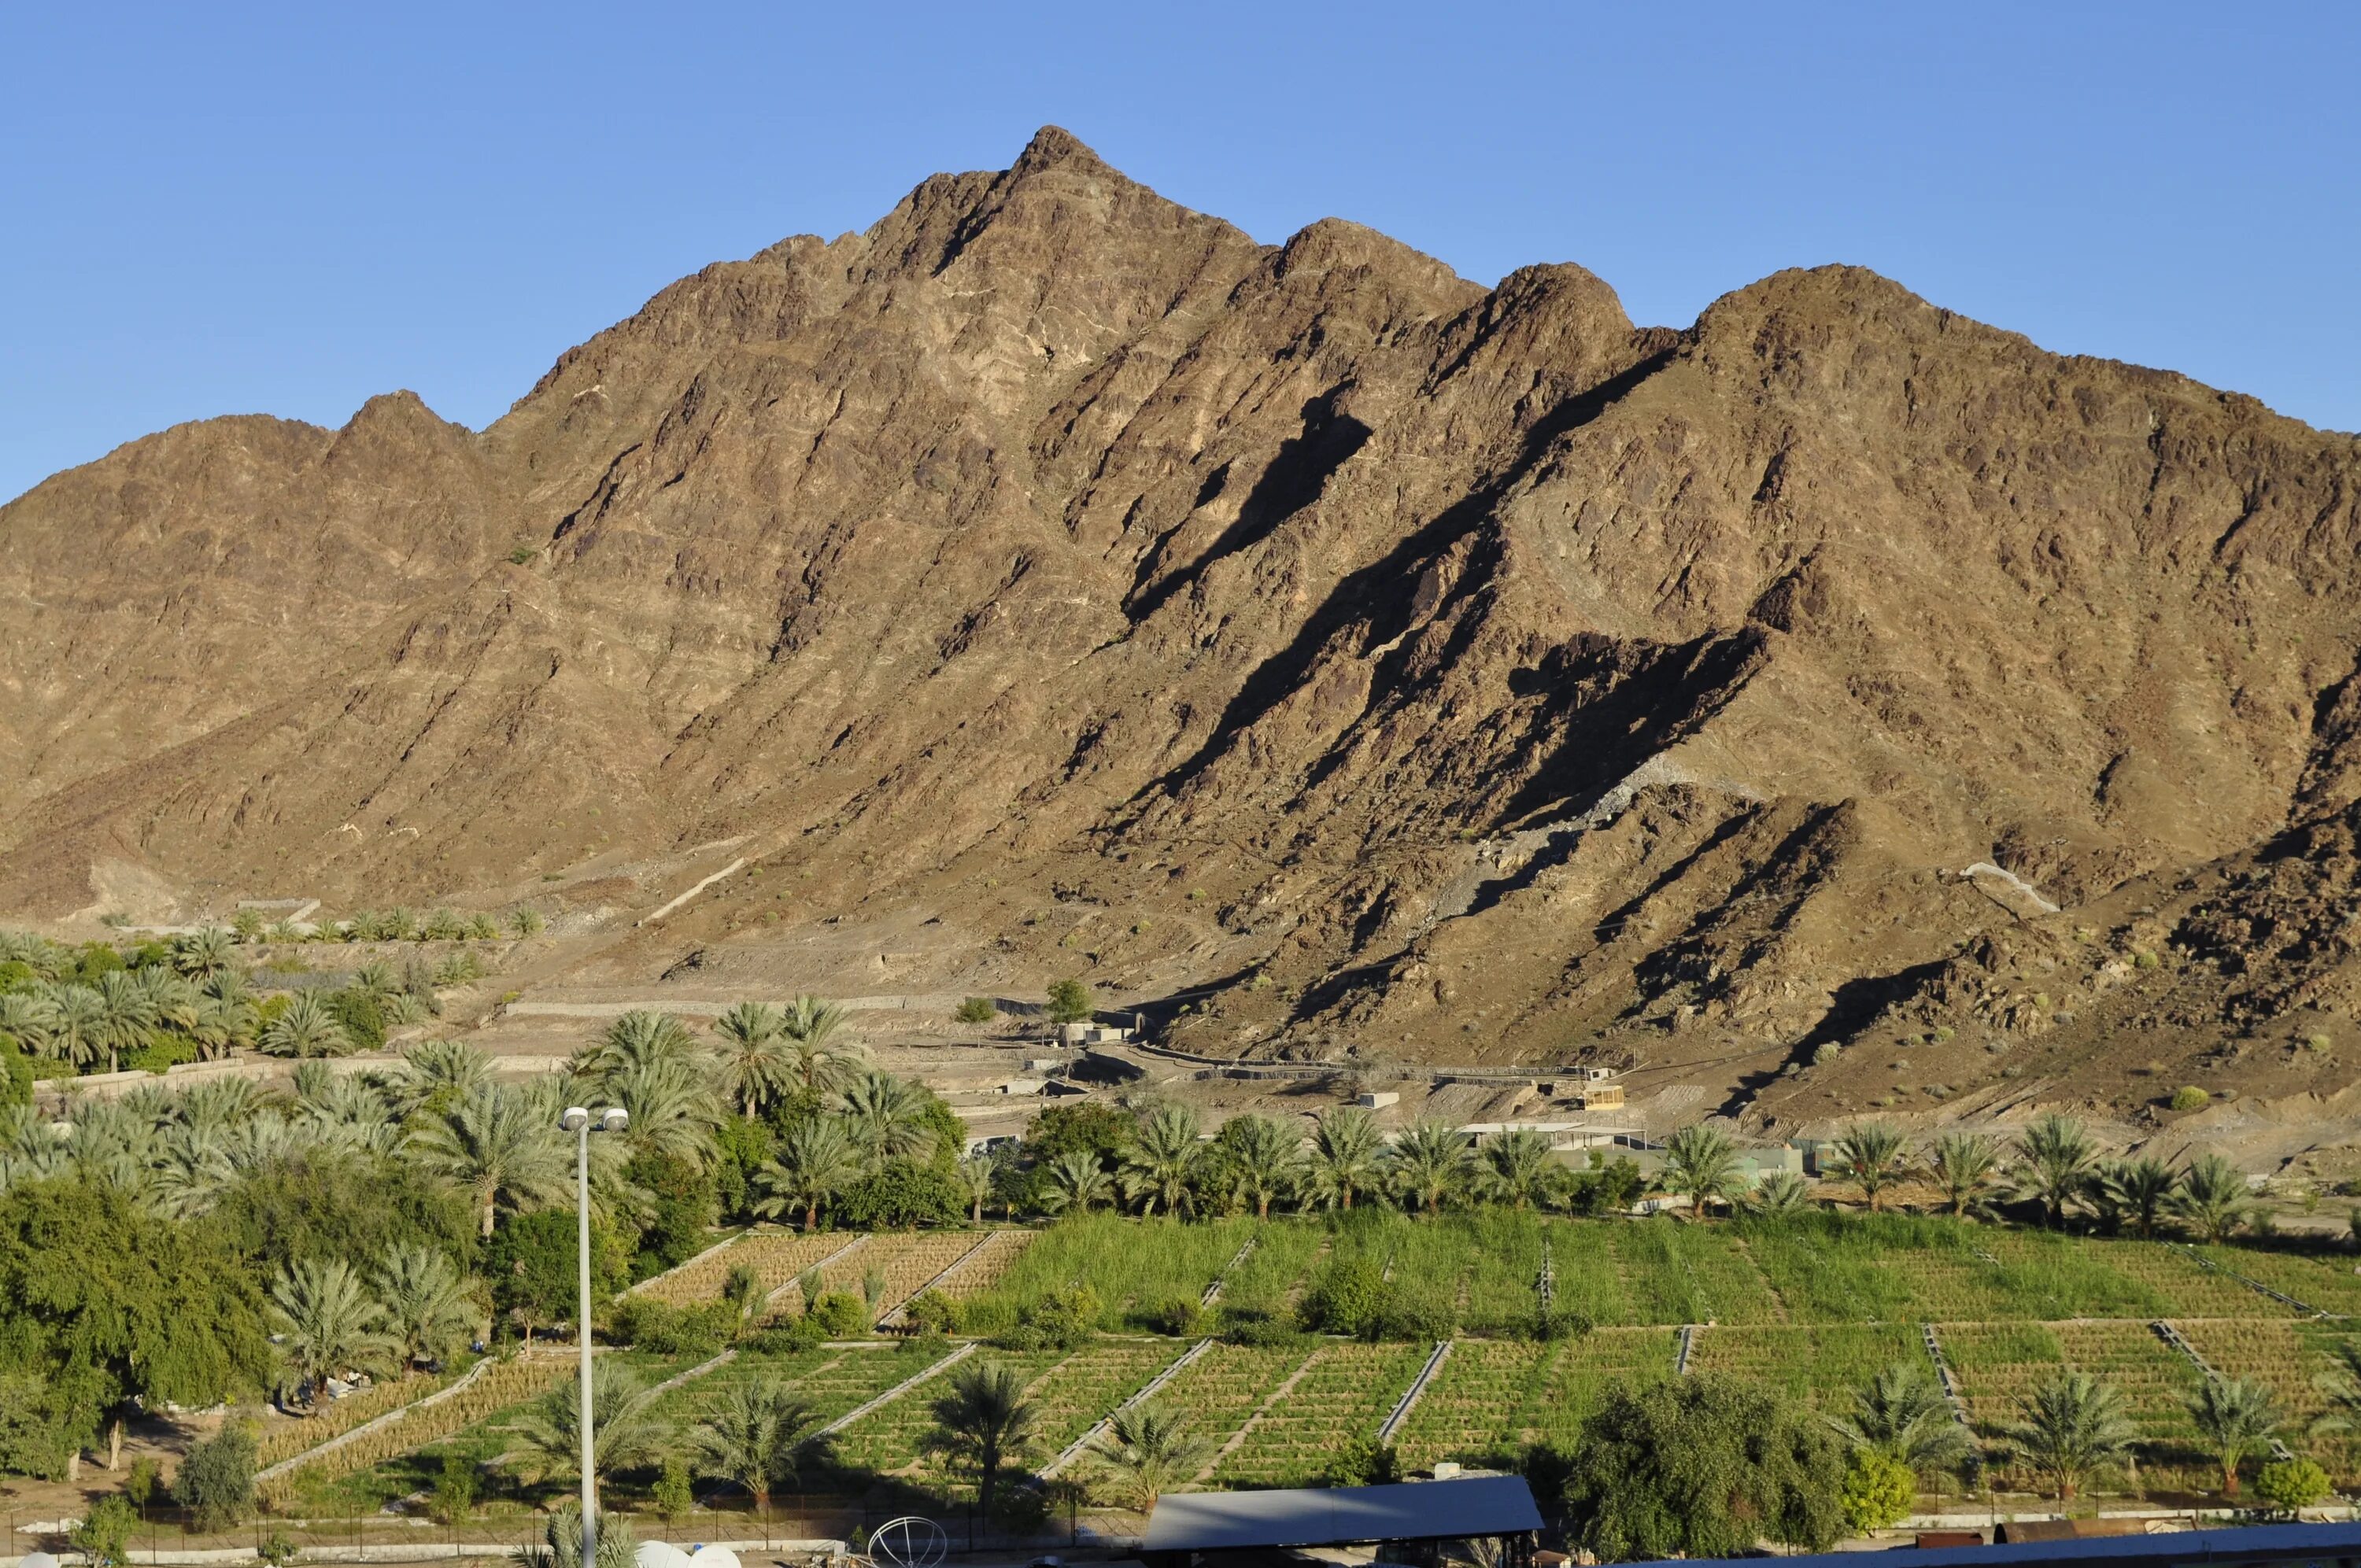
x: 1390, y: 666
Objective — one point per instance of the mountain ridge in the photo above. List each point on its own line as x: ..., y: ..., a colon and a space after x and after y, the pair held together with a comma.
x: 1500, y: 675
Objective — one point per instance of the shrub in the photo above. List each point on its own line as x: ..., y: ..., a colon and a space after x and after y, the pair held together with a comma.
x: 1061, y: 1320
x: 455, y: 1489
x: 1362, y: 1461
x: 902, y: 1196
x: 839, y: 1314
x: 104, y: 1536
x: 1350, y: 1298
x: 363, y: 1017
x: 1253, y: 1326
x: 15, y: 1074
x: 976, y: 1010
x: 648, y: 1325
x: 672, y: 1494
x: 934, y: 1313
x: 2189, y: 1097
x: 1180, y: 1316
x: 2292, y: 1484
x: 1561, y: 1323
x: 1878, y: 1493
x: 216, y: 1481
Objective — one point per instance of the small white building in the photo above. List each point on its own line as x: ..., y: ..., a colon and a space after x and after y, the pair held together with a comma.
x: 1378, y: 1099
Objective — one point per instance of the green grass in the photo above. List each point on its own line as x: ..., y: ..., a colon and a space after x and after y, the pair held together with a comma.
x: 1132, y: 1265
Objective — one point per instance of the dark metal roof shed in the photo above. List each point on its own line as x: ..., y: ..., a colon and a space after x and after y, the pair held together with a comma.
x: 1339, y: 1516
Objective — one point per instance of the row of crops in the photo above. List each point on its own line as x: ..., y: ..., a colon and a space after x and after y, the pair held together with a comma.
x: 1482, y: 1270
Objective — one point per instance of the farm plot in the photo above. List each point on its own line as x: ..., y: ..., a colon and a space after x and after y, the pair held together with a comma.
x: 1344, y: 1392
x: 2191, y: 1290
x: 1222, y: 1388
x: 892, y: 1440
x: 2289, y: 1358
x: 283, y: 1437
x: 1586, y: 1277
x: 476, y: 1421
x: 1071, y: 1397
x: 900, y: 1264
x: 1280, y: 1261
x: 776, y: 1256
x: 1830, y: 1269
x: 2052, y: 1278
x: 831, y: 1381
x: 1492, y: 1397
x: 1131, y: 1266
x: 982, y: 1269
x: 1676, y: 1271
x: 1998, y: 1363
x: 1480, y: 1270
x: 1820, y: 1364
x: 2327, y: 1287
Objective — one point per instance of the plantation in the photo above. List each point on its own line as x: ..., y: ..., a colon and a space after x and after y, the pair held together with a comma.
x: 1342, y: 1394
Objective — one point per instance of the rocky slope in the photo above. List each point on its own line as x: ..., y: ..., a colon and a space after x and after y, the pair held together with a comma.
x: 1401, y: 667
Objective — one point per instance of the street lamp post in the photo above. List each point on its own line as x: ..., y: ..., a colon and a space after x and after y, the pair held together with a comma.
x: 582, y: 1122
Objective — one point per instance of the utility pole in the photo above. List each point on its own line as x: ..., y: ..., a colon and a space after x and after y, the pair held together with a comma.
x: 579, y: 1121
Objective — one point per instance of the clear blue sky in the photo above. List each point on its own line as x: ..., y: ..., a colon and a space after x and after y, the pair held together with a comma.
x: 237, y: 208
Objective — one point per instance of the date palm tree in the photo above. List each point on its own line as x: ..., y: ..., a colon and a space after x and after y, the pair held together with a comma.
x: 2213, y: 1198
x: 2340, y: 1390
x: 825, y: 1062
x: 887, y: 1117
x: 1701, y: 1165
x: 327, y: 1323
x: 1430, y: 1164
x: 633, y: 1039
x: 625, y: 1431
x: 27, y: 1017
x: 1966, y: 1166
x: 1075, y: 1183
x: 205, y: 950
x: 2136, y: 1193
x: 1779, y: 1194
x: 2070, y: 1427
x: 816, y: 1160
x: 77, y: 1024
x: 307, y: 1028
x: 983, y: 1423
x: 1262, y: 1160
x: 979, y: 1177
x: 127, y: 1016
x: 430, y: 1310
x: 1901, y: 1414
x: 1145, y: 1452
x: 673, y: 1107
x: 751, y: 1435
x: 501, y: 1146
x: 2234, y: 1417
x: 438, y: 1074
x: 757, y: 1067
x: 2059, y: 1158
x: 1161, y: 1165
x: 561, y: 1541
x: 1875, y: 1155
x: 1348, y: 1156
x: 1514, y: 1167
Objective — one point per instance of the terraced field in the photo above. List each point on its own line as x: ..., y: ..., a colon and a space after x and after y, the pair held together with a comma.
x: 2316, y: 1283
x: 1344, y: 1392
x: 1071, y: 1397
x: 1998, y: 1363
x: 891, y: 1440
x: 1819, y: 1363
x: 776, y: 1256
x: 1131, y: 1266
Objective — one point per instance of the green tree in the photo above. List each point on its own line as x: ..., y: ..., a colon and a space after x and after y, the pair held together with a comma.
x: 1261, y: 1160
x: 454, y: 1490
x: 983, y: 1424
x: 825, y: 1058
x: 2070, y: 1427
x: 975, y: 1010
x: 1966, y: 1166
x: 751, y: 1436
x: 1071, y: 1002
x: 1515, y: 1168
x: 888, y: 1118
x: 2058, y: 1160
x: 2234, y: 1417
x: 1348, y: 1156
x: 1430, y: 1164
x: 561, y: 1543
x: 817, y: 1161
x: 546, y: 1440
x: 1145, y: 1452
x: 104, y: 1537
x: 497, y: 1142
x: 2292, y: 1483
x: 216, y: 1481
x: 1701, y: 1165
x: 2213, y: 1198
x: 1780, y: 1195
x: 673, y: 1496
x: 1074, y: 1183
x: 1901, y: 1415
x: 756, y: 1065
x: 1160, y: 1168
x: 327, y: 1323
x: 308, y: 1027
x: 1878, y: 1492
x: 1701, y: 1467
x: 2135, y: 1194
x: 431, y: 1312
x: 1875, y: 1155
x: 533, y: 1265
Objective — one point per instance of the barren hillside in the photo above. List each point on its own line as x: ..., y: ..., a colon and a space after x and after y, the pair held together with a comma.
x: 1053, y: 580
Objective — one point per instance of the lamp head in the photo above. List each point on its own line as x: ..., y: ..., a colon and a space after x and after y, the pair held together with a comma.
x: 575, y: 1120
x: 614, y: 1119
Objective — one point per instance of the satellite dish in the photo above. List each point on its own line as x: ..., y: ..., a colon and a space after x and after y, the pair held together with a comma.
x: 712, y: 1557
x: 37, y: 1560
x: 909, y: 1541
x: 660, y: 1554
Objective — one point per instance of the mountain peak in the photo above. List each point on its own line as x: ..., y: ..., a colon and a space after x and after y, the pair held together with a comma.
x: 1053, y: 147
